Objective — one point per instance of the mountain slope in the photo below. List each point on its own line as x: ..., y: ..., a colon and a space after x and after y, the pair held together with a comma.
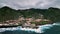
x: 51, y: 13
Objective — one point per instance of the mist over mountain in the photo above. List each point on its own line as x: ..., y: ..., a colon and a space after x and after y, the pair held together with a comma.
x: 7, y: 13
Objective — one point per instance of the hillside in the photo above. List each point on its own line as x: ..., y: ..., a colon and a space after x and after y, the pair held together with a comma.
x: 7, y: 13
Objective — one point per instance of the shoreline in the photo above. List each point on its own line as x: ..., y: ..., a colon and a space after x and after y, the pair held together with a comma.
x: 38, y: 30
x: 8, y: 26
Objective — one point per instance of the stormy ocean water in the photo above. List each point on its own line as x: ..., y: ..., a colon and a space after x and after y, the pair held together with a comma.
x: 43, y: 29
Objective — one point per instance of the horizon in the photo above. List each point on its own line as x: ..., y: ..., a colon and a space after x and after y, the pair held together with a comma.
x: 26, y: 9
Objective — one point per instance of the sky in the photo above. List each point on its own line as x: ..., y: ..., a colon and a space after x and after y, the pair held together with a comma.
x: 26, y: 4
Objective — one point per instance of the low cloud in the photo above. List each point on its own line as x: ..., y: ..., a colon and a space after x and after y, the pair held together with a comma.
x: 26, y: 4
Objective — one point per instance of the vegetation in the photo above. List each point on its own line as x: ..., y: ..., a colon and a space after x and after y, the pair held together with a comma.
x: 39, y: 23
x: 7, y: 13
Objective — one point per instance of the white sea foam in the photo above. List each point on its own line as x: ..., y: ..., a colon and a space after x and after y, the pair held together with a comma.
x: 39, y: 30
x: 56, y: 23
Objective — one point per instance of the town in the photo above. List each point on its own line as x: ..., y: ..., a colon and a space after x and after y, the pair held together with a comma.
x: 26, y: 22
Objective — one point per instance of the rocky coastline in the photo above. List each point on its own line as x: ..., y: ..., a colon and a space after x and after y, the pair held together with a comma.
x: 25, y: 22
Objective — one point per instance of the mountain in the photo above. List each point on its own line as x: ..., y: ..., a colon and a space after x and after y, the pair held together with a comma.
x: 7, y: 13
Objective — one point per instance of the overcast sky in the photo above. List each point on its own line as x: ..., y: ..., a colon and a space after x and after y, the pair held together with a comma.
x: 26, y: 4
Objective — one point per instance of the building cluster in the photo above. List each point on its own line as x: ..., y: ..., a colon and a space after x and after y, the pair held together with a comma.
x: 23, y: 21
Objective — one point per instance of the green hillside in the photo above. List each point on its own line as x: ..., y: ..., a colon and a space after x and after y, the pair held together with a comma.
x: 51, y: 13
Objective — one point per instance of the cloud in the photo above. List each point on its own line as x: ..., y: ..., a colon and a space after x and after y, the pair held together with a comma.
x: 26, y: 4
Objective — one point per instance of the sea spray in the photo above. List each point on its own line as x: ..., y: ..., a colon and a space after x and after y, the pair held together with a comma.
x: 41, y: 28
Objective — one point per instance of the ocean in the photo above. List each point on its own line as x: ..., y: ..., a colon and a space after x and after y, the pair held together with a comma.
x: 43, y: 29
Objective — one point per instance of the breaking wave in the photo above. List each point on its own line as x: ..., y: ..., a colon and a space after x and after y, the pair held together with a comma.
x: 41, y: 28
